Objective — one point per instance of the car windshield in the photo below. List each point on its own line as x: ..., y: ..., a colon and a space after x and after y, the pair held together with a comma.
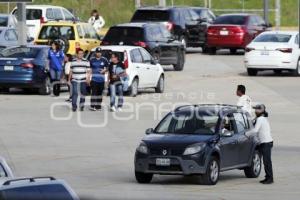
x: 231, y: 19
x: 107, y: 54
x: 3, y: 21
x: 124, y: 34
x: 280, y: 38
x: 20, y: 52
x: 32, y: 14
x: 186, y: 123
x: 56, y: 32
x: 151, y: 15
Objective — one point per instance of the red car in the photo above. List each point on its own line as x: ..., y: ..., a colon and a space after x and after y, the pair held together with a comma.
x: 234, y: 31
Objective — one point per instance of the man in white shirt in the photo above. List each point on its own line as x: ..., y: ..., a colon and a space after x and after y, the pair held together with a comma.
x: 263, y: 130
x: 244, y: 100
x: 97, y: 21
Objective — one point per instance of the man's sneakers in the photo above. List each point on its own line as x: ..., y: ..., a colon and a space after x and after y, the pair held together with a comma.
x: 93, y: 109
x: 74, y: 109
x: 267, y: 181
x: 113, y: 109
x: 119, y: 109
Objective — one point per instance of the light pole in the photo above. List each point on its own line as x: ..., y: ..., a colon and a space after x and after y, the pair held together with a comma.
x: 266, y: 11
x: 299, y: 21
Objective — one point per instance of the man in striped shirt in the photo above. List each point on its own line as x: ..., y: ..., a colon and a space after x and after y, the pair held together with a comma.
x: 79, y: 77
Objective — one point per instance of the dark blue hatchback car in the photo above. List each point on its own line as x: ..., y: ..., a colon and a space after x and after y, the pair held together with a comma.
x: 199, y: 140
x: 25, y: 67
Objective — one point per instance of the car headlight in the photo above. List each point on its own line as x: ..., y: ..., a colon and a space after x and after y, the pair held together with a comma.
x: 142, y: 148
x: 193, y: 149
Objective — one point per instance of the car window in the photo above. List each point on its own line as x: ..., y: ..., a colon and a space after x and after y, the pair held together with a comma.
x: 22, y: 193
x: 280, y: 38
x: 67, y: 14
x: 55, y: 32
x: 211, y: 15
x: 55, y: 192
x: 92, y: 31
x: 175, y: 16
x: 297, y: 39
x: 79, y: 31
x: 124, y: 34
x: 253, y: 21
x: 260, y: 20
x: 231, y: 19
x: 10, y: 35
x: 240, y: 122
x: 247, y: 121
x: 194, y: 15
x: 154, y: 33
x: 49, y: 13
x: 4, y: 21
x: 146, y: 56
x: 34, y: 14
x: 136, y: 56
x: 227, y: 124
x: 20, y: 52
x: 166, y: 33
x: 58, y: 14
x: 151, y: 15
x: 2, y: 172
x: 187, y: 15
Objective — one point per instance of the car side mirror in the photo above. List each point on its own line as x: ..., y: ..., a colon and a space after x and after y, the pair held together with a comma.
x: 149, y: 131
x: 226, y: 133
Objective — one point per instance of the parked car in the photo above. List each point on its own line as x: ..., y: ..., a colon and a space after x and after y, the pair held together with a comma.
x: 183, y: 22
x: 234, y: 31
x: 71, y: 36
x: 142, y: 69
x: 207, y: 17
x: 8, y: 21
x: 36, y: 188
x: 274, y: 50
x: 154, y: 37
x: 25, y: 67
x: 36, y: 15
x: 199, y: 140
x: 5, y: 170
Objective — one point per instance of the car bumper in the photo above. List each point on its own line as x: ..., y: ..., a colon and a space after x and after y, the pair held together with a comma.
x: 178, y: 166
x: 24, y: 82
x: 226, y: 42
x: 272, y: 63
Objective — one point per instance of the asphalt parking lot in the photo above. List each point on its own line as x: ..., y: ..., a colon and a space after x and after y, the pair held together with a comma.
x: 94, y: 151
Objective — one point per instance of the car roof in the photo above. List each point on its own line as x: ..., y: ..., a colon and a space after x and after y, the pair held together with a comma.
x: 281, y: 32
x: 118, y: 48
x: 163, y: 7
x: 219, y: 109
x: 30, y: 46
x: 63, y: 23
x: 42, y: 6
x: 237, y: 14
x: 137, y: 24
x: 5, y: 15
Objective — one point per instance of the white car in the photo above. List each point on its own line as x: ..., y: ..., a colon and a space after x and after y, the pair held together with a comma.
x: 39, y: 14
x: 273, y: 50
x: 142, y: 69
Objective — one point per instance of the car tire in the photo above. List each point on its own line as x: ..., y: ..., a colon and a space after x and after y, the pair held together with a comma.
x: 180, y: 62
x: 133, y: 91
x: 143, y: 177
x: 46, y: 87
x: 212, y: 50
x: 251, y: 72
x: 160, y: 87
x: 4, y: 90
x: 183, y: 40
x: 296, y: 72
x: 253, y: 171
x: 233, y: 51
x: 211, y: 177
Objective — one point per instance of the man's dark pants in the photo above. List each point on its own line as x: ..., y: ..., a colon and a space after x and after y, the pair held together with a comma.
x: 266, y: 150
x: 97, y: 91
x: 78, y: 89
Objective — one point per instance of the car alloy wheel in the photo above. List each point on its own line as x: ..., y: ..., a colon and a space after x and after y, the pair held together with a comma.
x: 160, y: 85
x: 256, y: 164
x: 183, y: 41
x: 46, y: 88
x: 134, y: 88
x: 214, y: 171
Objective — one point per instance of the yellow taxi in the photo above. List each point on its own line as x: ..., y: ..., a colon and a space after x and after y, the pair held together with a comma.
x: 70, y: 35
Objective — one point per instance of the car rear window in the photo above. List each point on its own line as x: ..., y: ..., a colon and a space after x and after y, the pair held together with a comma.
x: 20, y: 52
x: 281, y: 38
x: 107, y: 54
x: 124, y: 34
x: 3, y: 21
x: 31, y: 14
x: 151, y: 15
x: 45, y: 192
x: 55, y: 32
x: 230, y: 19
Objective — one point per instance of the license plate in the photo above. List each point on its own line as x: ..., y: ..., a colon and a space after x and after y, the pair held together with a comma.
x: 9, y: 68
x: 163, y: 162
x: 224, y: 33
x: 264, y: 53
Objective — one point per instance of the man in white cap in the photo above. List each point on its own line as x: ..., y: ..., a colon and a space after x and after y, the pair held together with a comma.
x: 263, y: 130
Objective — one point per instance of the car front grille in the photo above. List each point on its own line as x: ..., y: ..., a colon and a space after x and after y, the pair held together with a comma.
x: 174, y: 168
x: 170, y: 152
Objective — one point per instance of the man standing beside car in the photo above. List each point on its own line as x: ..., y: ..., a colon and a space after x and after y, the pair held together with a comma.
x: 244, y: 100
x: 99, y: 65
x: 263, y: 130
x: 79, y: 76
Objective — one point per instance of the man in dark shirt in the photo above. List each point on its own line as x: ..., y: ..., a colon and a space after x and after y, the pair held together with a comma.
x: 99, y: 66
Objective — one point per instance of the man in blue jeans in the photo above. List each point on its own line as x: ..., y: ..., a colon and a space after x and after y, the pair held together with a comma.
x: 79, y: 77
